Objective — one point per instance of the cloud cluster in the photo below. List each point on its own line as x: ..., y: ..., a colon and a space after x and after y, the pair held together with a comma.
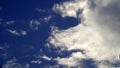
x: 97, y: 34
x: 13, y: 64
x: 69, y: 8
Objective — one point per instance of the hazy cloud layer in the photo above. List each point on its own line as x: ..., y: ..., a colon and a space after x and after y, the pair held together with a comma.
x: 97, y: 34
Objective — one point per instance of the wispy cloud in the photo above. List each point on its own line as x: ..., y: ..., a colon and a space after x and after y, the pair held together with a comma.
x: 46, y: 58
x: 34, y: 24
x: 38, y: 61
x: 15, y: 32
x: 46, y: 19
x: 10, y: 22
x: 13, y: 64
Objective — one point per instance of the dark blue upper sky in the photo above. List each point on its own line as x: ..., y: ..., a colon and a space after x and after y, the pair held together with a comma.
x: 23, y: 9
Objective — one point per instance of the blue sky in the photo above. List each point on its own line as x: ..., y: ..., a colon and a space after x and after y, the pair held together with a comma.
x: 59, y: 33
x: 16, y: 16
x: 23, y: 9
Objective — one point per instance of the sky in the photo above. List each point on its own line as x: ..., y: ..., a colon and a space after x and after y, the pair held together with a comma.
x: 59, y: 33
x: 20, y: 9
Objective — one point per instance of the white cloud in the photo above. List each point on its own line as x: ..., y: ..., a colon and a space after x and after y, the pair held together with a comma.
x: 105, y: 65
x: 13, y: 64
x: 46, y: 19
x: 36, y: 61
x: 23, y: 32
x: 71, y: 61
x: 43, y: 56
x: 98, y: 33
x: 10, y: 22
x: 46, y: 58
x: 69, y: 8
x: 3, y: 50
x: 3, y: 54
x: 34, y: 24
x: 15, y: 32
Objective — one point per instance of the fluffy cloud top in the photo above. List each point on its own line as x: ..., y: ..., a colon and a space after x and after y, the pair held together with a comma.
x: 97, y: 34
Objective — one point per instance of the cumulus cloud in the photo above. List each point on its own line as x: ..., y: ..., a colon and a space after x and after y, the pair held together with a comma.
x: 97, y: 34
x: 69, y: 8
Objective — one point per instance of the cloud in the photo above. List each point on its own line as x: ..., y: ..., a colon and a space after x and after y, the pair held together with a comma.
x: 3, y: 50
x: 97, y: 34
x: 21, y: 33
x: 40, y: 10
x: 36, y: 61
x: 39, y: 58
x: 46, y: 19
x: 13, y: 32
x: 10, y: 22
x: 13, y: 64
x: 71, y: 61
x: 34, y: 24
x: 46, y: 58
x: 69, y: 8
x: 3, y: 54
